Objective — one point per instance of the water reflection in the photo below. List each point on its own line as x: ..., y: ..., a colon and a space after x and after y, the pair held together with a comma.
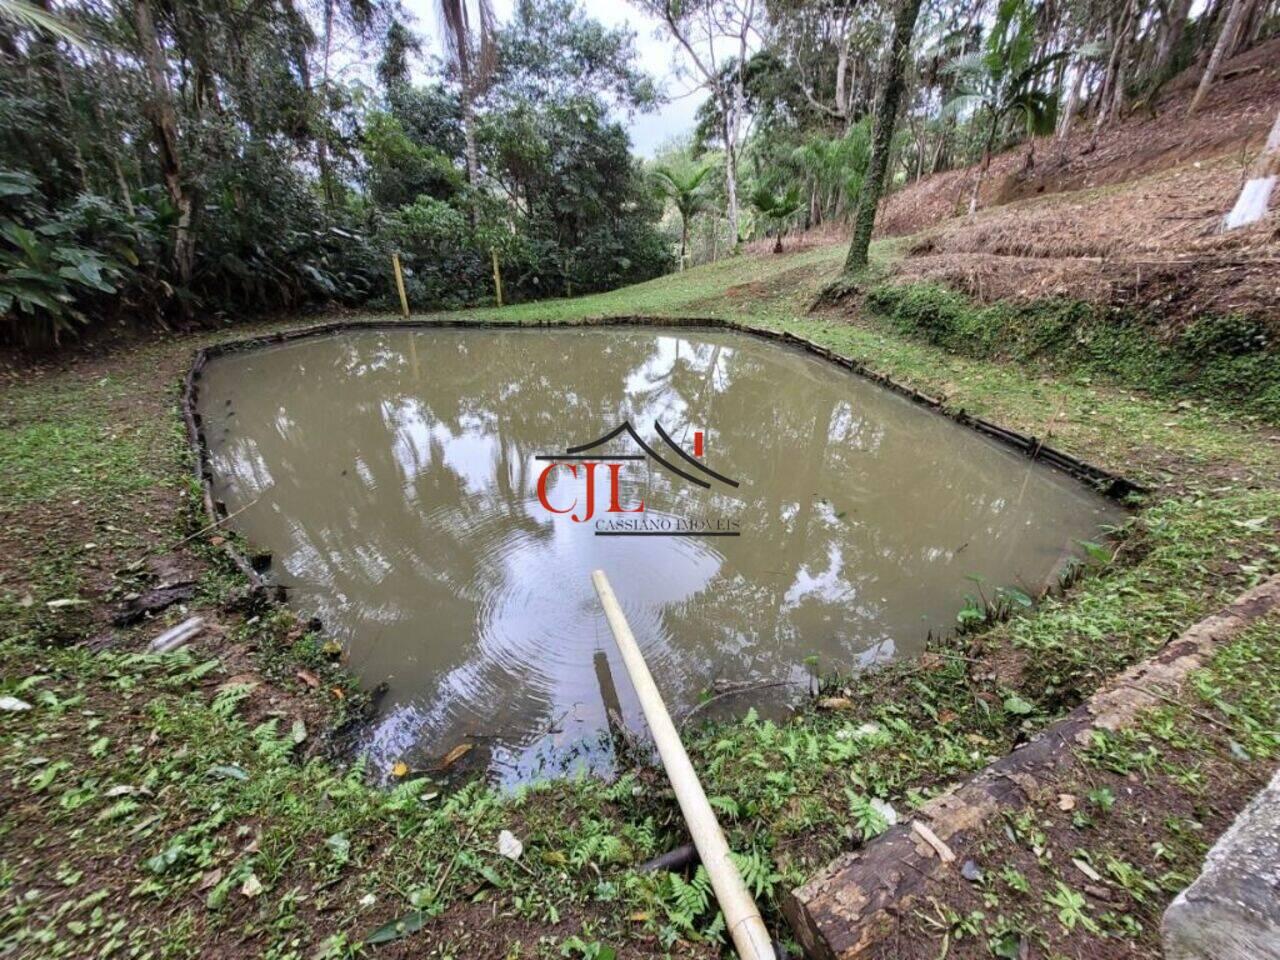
x: 396, y: 473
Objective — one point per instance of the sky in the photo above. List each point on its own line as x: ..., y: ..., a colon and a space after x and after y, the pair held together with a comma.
x: 655, y: 50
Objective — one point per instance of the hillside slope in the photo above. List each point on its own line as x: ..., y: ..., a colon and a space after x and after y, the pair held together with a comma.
x: 1131, y: 219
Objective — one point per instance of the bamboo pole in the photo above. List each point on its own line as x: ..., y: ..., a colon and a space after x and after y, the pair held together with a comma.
x: 747, y: 930
x: 404, y: 300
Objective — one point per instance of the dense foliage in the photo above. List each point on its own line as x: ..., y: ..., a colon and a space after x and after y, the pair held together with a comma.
x: 171, y: 160
x: 177, y: 159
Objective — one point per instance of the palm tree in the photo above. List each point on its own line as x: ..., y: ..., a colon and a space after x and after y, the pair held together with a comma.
x: 688, y: 197
x: 777, y: 208
x: 835, y: 168
x: 1001, y: 80
x: 471, y: 51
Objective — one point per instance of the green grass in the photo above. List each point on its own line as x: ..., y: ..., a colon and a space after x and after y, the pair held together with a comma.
x: 763, y: 285
x: 1143, y: 809
x: 158, y: 793
x: 67, y: 458
x: 1231, y: 358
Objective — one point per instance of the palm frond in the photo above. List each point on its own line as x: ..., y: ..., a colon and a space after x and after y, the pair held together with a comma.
x: 1033, y: 70
x: 963, y: 101
x: 26, y: 14
x: 1040, y: 110
x: 967, y: 64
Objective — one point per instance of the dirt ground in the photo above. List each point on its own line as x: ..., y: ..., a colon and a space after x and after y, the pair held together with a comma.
x: 1131, y: 219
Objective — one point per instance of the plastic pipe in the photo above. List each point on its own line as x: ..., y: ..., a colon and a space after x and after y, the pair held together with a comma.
x: 741, y: 915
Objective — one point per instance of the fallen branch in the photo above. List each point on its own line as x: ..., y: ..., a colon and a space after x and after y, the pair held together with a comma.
x: 217, y: 523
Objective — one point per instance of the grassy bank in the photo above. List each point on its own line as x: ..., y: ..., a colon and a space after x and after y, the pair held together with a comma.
x: 1231, y: 359
x: 187, y: 804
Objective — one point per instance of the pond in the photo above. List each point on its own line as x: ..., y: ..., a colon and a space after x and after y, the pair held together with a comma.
x: 415, y: 491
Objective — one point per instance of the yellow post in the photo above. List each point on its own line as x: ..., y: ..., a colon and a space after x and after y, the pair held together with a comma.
x: 497, y: 276
x: 404, y: 300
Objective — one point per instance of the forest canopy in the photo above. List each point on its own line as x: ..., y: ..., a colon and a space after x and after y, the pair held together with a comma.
x: 175, y: 161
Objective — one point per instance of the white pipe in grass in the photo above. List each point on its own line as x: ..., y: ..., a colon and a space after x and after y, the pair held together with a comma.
x: 176, y: 636
x: 741, y: 915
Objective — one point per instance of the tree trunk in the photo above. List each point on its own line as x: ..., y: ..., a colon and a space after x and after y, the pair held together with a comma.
x: 1110, y: 106
x: 982, y: 171
x: 684, y: 241
x: 126, y: 197
x: 1251, y: 29
x: 1255, y: 196
x: 730, y: 134
x: 322, y: 142
x: 497, y: 276
x: 1073, y: 101
x: 904, y: 25
x: 469, y: 133
x: 1111, y: 93
x: 1226, y: 37
x: 164, y: 121
x: 1171, y: 34
x: 842, y: 67
x: 466, y: 102
x: 939, y: 152
x: 1103, y: 92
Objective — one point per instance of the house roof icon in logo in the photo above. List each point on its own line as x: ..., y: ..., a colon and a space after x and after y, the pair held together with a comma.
x: 580, y: 453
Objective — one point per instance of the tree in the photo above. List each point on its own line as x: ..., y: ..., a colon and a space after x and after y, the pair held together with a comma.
x: 686, y: 195
x: 553, y: 48
x: 1255, y: 195
x: 777, y: 209
x: 835, y: 168
x: 818, y: 40
x: 1000, y: 80
x: 1226, y: 42
x: 703, y: 29
x: 471, y: 52
x: 164, y: 120
x: 904, y: 25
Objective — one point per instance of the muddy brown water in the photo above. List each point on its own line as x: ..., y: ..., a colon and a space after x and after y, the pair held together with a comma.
x: 393, y: 475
